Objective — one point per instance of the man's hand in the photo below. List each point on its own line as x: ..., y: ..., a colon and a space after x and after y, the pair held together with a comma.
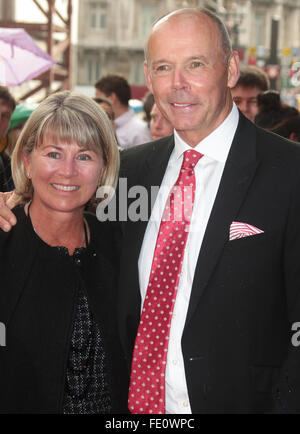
x: 7, y: 217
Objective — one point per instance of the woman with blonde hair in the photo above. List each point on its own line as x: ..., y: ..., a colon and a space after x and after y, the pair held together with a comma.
x: 62, y: 352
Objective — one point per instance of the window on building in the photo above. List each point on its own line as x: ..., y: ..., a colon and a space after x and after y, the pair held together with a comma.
x: 137, y: 72
x: 149, y: 14
x: 259, y: 27
x: 93, y: 70
x: 98, y: 15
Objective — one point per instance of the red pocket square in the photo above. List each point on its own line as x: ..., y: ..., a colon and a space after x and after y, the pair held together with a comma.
x: 240, y: 230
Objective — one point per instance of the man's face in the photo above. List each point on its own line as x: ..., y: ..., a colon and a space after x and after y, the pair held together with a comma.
x: 100, y: 94
x: 246, y: 100
x: 159, y: 126
x: 187, y: 75
x: 5, y: 115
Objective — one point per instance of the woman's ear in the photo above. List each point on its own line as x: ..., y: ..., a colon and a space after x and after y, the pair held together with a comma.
x: 102, y: 172
x: 27, y: 166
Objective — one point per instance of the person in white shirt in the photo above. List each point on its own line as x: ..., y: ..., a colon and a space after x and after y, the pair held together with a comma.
x: 130, y: 129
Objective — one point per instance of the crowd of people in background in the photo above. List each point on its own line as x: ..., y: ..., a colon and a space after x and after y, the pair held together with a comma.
x: 130, y: 130
x: 263, y: 106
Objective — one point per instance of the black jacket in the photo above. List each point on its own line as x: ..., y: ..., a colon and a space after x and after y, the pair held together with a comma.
x: 37, y: 306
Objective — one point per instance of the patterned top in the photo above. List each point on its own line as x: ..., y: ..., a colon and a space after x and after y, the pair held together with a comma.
x: 86, y: 389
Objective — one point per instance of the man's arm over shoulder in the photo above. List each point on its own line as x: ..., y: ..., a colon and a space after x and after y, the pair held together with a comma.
x: 7, y: 217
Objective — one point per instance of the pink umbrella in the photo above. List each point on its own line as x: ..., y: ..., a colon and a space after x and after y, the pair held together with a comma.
x: 20, y: 57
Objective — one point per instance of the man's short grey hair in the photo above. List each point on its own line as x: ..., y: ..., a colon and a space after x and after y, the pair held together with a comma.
x: 224, y: 36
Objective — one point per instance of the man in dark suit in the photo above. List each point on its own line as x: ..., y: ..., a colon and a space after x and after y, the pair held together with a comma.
x: 214, y: 330
x: 230, y: 345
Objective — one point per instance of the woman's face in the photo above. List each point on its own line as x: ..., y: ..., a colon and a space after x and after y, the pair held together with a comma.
x: 64, y: 176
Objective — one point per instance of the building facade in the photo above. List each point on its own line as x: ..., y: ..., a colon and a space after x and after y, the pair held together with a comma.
x: 108, y: 36
x: 49, y: 22
x: 112, y: 35
x: 267, y: 34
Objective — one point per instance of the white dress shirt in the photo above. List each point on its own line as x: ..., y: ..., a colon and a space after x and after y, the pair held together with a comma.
x: 131, y: 130
x: 208, y: 173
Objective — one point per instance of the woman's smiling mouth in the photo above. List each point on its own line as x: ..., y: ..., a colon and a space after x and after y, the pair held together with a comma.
x: 65, y: 187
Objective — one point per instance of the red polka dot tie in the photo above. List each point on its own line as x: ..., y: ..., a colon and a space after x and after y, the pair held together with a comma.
x: 147, y: 384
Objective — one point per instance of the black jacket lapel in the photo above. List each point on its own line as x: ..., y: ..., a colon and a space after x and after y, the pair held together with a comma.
x: 237, y: 176
x: 149, y: 176
x: 147, y: 173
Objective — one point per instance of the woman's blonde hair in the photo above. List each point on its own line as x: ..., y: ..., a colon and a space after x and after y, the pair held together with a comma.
x: 66, y: 117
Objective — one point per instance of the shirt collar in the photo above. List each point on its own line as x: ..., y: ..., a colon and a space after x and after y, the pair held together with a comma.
x: 217, y: 144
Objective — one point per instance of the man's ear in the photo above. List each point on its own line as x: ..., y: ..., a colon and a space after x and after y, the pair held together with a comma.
x: 148, y: 76
x: 112, y: 98
x: 233, y: 69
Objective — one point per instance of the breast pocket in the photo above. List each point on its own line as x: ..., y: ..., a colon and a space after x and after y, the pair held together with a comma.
x: 251, y: 238
x: 253, y: 243
x: 250, y: 258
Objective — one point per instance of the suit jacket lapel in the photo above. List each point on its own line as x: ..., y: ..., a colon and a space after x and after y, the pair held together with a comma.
x: 237, y: 176
x: 148, y: 175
